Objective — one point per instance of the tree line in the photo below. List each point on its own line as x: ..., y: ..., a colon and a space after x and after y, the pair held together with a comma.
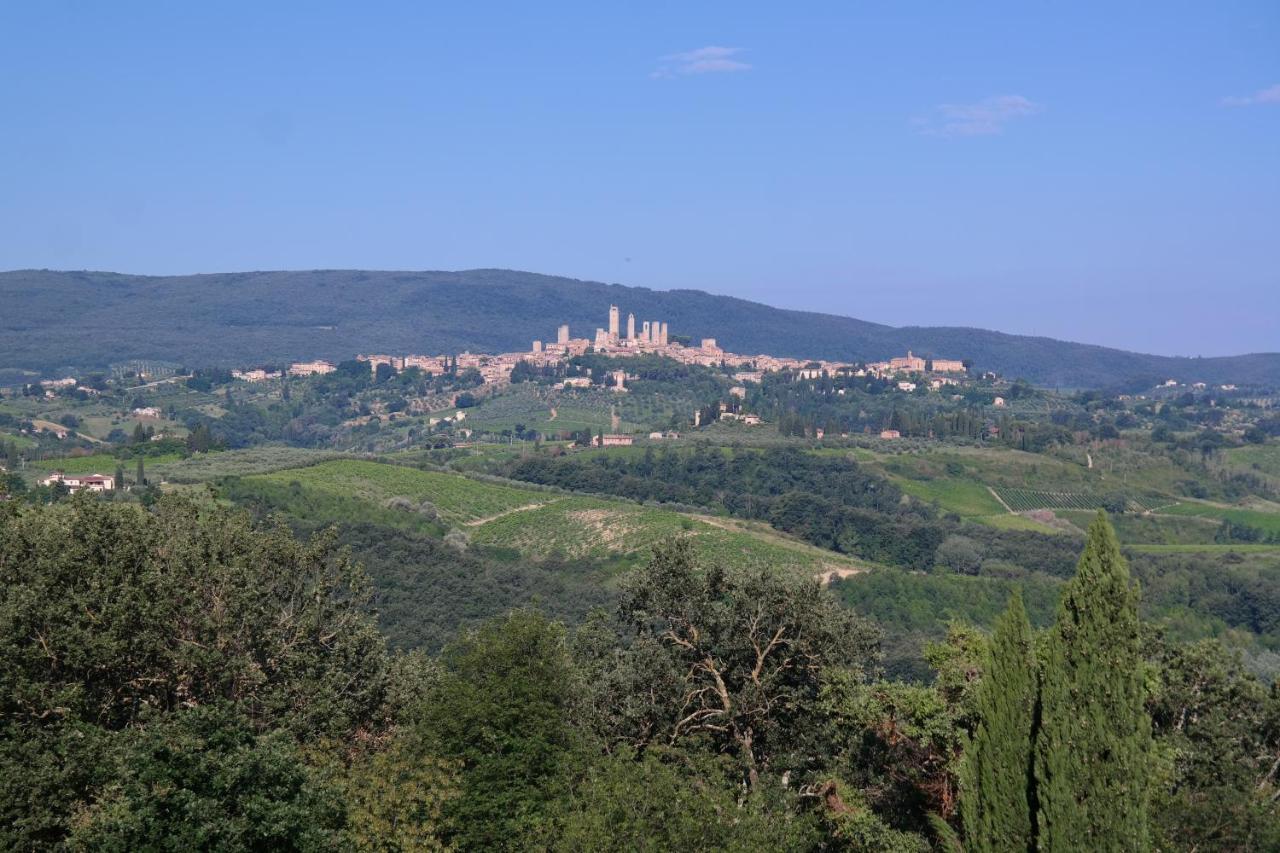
x: 183, y: 678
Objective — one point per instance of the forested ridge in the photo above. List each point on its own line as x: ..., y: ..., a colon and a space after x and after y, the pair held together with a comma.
x: 182, y: 677
x: 236, y: 319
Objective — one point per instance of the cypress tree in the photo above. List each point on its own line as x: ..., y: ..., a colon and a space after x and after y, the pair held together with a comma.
x: 1093, y: 746
x: 996, y: 773
x: 142, y: 473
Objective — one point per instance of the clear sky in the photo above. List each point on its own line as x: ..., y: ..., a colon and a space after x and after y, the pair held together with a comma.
x: 1106, y: 172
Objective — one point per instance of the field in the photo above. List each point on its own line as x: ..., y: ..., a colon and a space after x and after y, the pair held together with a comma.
x: 535, y: 523
x: 1268, y: 522
x: 456, y: 498
x: 240, y: 463
x: 1023, y: 500
x: 1264, y: 458
x: 98, y: 463
x: 531, y: 406
x: 1235, y: 548
x: 1150, y: 529
x: 963, y: 497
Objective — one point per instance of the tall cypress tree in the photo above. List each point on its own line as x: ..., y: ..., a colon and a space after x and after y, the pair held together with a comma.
x: 1093, y: 746
x: 996, y: 775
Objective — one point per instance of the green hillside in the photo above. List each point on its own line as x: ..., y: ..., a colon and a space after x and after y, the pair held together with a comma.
x: 254, y: 317
x: 536, y: 523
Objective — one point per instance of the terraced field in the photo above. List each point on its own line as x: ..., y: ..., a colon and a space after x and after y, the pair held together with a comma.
x: 1024, y: 500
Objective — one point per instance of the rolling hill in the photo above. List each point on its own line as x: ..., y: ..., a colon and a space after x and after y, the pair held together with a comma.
x: 58, y: 320
x: 539, y: 524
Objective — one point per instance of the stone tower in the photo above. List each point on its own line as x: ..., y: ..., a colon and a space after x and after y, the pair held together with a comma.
x: 631, y: 327
x: 613, y: 323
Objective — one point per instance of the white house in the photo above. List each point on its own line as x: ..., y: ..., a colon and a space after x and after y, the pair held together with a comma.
x: 74, y: 483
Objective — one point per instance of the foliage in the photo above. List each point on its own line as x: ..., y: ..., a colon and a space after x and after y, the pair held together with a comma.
x: 395, y: 796
x: 663, y: 800
x: 753, y: 646
x: 202, y: 778
x: 996, y: 772
x: 1219, y: 729
x: 1093, y: 742
x: 500, y: 709
x: 112, y: 618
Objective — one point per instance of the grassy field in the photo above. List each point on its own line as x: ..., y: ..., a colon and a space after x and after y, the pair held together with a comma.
x: 1151, y: 529
x: 1268, y: 522
x: 100, y: 463
x: 532, y: 407
x: 1257, y: 457
x: 1007, y: 521
x: 963, y: 497
x: 456, y: 498
x: 535, y: 523
x: 1204, y: 549
x: 603, y: 530
x: 241, y: 463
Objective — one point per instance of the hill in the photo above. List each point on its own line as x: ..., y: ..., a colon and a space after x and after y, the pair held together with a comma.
x: 57, y: 320
x: 536, y: 523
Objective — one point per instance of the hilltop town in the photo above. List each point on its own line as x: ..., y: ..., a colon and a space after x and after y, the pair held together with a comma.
x: 647, y: 337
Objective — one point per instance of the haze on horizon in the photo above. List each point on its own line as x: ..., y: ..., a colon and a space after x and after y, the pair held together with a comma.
x: 1091, y: 173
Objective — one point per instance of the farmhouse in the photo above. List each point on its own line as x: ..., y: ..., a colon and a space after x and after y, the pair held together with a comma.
x: 612, y: 440
x: 91, y: 482
x: 890, y: 433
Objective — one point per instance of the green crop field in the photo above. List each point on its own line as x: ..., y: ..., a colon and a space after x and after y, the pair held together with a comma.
x: 457, y: 498
x: 1151, y: 529
x: 1268, y: 522
x: 1007, y: 521
x: 101, y: 463
x: 963, y: 497
x: 1205, y: 549
x: 604, y: 529
x: 536, y: 523
x: 531, y: 406
x: 1021, y: 500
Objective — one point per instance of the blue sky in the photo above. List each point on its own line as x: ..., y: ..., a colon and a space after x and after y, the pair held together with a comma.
x: 1104, y: 172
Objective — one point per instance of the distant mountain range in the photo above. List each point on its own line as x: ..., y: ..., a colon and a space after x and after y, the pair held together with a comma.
x: 53, y: 321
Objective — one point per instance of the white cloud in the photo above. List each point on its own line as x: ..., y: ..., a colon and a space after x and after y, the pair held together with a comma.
x: 1269, y: 95
x: 704, y: 60
x: 982, y: 118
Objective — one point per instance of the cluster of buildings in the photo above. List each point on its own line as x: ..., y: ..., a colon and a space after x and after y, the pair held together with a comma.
x: 641, y: 337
